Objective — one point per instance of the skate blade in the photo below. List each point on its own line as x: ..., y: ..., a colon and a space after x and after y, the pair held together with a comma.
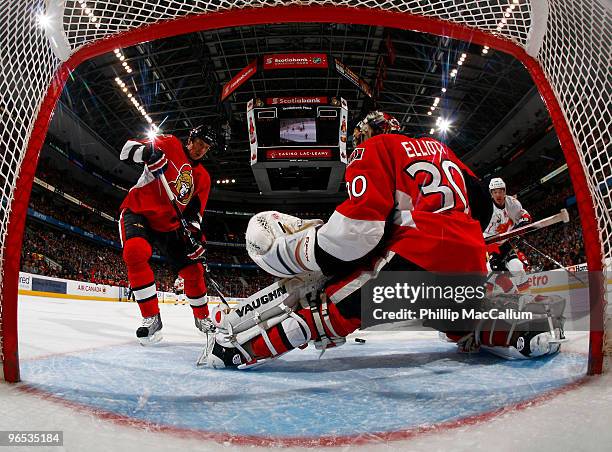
x: 256, y: 364
x: 146, y: 341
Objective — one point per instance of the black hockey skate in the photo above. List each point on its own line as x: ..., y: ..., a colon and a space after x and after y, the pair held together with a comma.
x: 150, y: 331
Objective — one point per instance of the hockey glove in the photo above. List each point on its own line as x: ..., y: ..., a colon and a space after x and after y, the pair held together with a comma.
x: 196, y: 251
x: 155, y: 160
x: 194, y: 226
x: 282, y: 245
x: 524, y: 221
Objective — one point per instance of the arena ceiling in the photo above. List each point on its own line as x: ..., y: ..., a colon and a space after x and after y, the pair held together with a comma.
x: 179, y: 81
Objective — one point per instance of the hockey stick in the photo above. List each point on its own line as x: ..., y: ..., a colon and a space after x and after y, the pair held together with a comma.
x: 189, y: 234
x: 562, y: 216
x: 550, y: 258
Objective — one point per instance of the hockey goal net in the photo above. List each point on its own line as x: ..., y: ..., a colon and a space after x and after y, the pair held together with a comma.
x: 564, y: 45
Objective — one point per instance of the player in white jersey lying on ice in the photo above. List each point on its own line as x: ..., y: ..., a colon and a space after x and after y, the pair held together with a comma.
x: 409, y: 208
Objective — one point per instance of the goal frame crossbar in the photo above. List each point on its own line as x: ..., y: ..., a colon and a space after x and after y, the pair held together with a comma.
x: 297, y: 14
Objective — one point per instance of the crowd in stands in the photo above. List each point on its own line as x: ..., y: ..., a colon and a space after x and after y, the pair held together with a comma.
x: 54, y: 253
x: 568, y: 251
x: 233, y: 282
x: 50, y: 252
x: 61, y: 179
x: 49, y: 204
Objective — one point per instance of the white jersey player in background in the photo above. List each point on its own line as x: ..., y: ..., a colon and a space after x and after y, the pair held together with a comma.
x: 179, y: 290
x: 508, y: 214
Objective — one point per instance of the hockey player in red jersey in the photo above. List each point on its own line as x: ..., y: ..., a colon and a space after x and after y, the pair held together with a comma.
x: 148, y: 219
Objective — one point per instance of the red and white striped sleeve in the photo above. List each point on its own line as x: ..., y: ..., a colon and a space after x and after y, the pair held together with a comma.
x: 358, y: 224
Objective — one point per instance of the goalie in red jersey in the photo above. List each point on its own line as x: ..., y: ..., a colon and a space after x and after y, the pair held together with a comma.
x: 148, y: 219
x: 412, y: 205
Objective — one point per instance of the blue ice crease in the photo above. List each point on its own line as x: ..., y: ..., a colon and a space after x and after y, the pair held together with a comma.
x: 375, y: 387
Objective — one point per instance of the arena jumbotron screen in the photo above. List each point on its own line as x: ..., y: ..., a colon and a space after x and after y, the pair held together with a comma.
x: 297, y: 125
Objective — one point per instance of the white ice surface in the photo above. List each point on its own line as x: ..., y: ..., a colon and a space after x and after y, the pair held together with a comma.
x: 580, y: 419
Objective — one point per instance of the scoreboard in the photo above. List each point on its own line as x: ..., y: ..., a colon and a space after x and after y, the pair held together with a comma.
x: 297, y: 143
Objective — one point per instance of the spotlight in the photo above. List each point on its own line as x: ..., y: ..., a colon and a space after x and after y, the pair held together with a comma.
x: 152, y: 133
x: 444, y: 125
x: 44, y: 20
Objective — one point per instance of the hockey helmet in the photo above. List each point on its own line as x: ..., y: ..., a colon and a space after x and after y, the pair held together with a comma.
x: 497, y: 182
x: 375, y: 123
x: 207, y: 134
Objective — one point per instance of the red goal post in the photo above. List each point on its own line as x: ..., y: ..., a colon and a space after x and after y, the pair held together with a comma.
x: 564, y: 45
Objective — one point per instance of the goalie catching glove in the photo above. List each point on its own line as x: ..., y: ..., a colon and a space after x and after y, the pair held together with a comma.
x: 281, y: 244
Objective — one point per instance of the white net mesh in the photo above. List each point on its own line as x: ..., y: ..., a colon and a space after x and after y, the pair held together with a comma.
x: 575, y: 56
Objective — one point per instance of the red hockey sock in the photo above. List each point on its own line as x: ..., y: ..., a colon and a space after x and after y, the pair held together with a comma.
x: 200, y: 312
x: 136, y: 254
x: 504, y: 282
x: 149, y: 308
x: 195, y: 289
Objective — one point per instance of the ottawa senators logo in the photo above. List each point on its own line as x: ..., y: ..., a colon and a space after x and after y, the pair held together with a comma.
x: 183, y: 185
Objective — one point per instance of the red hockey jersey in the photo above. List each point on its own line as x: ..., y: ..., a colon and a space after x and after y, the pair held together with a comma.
x: 148, y: 197
x: 412, y: 194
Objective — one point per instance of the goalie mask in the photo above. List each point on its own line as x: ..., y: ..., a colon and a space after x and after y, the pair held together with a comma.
x: 375, y: 123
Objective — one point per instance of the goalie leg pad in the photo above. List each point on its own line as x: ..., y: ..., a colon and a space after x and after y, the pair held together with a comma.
x: 289, y: 334
x: 323, y: 324
x: 528, y: 339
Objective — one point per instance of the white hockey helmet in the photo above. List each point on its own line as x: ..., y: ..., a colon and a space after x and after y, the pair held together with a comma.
x: 497, y: 182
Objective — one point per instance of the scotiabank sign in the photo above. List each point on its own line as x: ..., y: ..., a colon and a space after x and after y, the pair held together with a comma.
x: 237, y: 81
x: 296, y: 100
x: 304, y: 154
x: 295, y: 61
